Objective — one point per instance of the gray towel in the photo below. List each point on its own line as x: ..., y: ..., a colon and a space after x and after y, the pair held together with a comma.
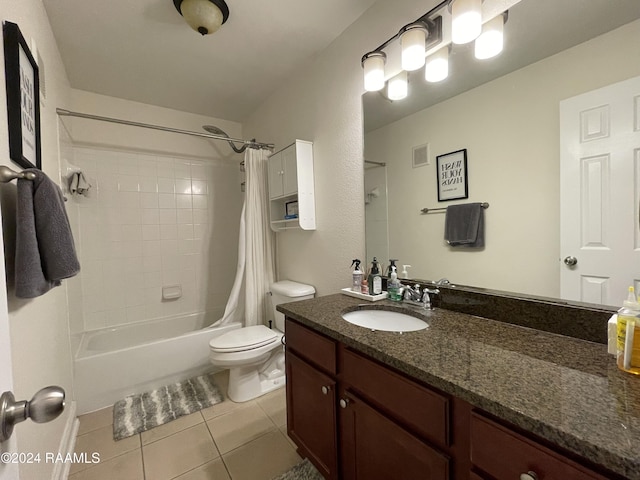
x: 464, y: 225
x: 45, y: 252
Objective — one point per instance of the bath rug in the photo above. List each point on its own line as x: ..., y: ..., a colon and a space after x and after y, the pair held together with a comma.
x: 302, y: 471
x: 138, y: 413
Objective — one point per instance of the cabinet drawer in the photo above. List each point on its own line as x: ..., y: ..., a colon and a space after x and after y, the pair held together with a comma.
x: 503, y: 453
x: 421, y: 410
x: 311, y: 346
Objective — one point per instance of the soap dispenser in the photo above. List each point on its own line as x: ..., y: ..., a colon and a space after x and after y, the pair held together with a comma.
x: 404, y: 273
x: 628, y: 342
x: 375, y: 279
x: 393, y: 286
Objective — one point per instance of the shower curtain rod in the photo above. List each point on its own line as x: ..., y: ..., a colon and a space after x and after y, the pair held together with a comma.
x: 380, y: 164
x: 68, y: 113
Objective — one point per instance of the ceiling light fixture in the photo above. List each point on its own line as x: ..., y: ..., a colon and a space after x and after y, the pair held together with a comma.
x: 373, y: 64
x: 491, y: 40
x: 204, y: 16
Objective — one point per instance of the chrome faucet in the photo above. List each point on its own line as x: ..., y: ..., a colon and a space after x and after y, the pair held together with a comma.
x: 414, y: 296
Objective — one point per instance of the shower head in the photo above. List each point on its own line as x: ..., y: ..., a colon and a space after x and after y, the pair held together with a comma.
x: 218, y: 131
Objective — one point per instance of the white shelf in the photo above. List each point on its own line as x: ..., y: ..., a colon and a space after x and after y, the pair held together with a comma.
x: 291, y: 180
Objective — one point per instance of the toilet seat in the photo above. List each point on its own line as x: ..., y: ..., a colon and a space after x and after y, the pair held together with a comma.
x: 243, y: 339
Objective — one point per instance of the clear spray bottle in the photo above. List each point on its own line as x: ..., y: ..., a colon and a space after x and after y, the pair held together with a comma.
x: 356, y: 286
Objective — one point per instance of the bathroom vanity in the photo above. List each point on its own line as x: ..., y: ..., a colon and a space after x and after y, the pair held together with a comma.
x: 467, y: 398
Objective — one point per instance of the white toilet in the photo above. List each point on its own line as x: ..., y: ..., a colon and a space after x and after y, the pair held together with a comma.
x: 255, y: 355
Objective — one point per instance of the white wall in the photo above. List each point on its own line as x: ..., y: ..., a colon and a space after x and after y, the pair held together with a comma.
x: 510, y: 128
x: 322, y: 104
x: 39, y: 327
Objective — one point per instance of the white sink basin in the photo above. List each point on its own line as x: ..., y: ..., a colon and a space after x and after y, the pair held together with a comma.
x: 385, y: 320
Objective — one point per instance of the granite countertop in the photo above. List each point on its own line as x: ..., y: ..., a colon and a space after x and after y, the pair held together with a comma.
x: 566, y: 390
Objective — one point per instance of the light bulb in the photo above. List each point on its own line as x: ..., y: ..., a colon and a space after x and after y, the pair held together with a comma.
x: 398, y: 87
x: 373, y: 65
x: 491, y: 40
x: 466, y: 20
x: 437, y: 66
x: 412, y: 42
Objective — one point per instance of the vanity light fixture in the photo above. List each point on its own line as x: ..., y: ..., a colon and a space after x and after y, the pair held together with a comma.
x: 466, y: 20
x: 413, y: 43
x: 437, y: 66
x: 373, y: 64
x: 425, y: 35
x: 398, y: 87
x: 204, y: 16
x: 491, y: 40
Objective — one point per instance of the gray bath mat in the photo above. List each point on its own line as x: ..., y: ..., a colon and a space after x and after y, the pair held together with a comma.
x: 138, y: 413
x: 303, y: 471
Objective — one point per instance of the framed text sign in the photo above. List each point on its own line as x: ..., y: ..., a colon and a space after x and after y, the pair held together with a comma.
x: 452, y: 175
x: 23, y: 99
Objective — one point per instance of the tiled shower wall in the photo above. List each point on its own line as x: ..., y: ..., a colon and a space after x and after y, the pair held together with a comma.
x: 154, y: 221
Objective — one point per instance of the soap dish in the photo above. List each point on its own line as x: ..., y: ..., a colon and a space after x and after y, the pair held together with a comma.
x: 364, y: 296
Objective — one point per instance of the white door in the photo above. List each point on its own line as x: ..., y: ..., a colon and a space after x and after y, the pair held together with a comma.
x: 600, y: 191
x: 8, y: 471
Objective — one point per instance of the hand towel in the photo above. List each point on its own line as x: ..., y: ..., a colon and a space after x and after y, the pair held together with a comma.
x: 464, y: 225
x: 45, y: 251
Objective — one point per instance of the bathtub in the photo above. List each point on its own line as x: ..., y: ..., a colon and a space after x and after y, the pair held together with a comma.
x: 115, y: 362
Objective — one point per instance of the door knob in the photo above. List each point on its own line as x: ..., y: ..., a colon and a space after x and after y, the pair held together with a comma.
x: 344, y: 402
x: 529, y: 476
x: 570, y: 261
x: 46, y: 405
x: 325, y: 390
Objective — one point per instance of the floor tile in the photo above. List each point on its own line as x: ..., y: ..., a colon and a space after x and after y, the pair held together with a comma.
x: 124, y: 467
x: 102, y: 442
x: 178, y: 453
x: 170, y: 428
x: 274, y: 404
x: 214, y: 470
x: 283, y: 430
x: 262, y: 459
x: 239, y: 426
x: 223, y: 408
x: 95, y: 420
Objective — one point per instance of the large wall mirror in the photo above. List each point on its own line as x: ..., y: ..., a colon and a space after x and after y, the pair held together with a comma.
x: 506, y: 113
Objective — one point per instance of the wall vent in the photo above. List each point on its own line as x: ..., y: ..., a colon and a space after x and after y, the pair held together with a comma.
x: 421, y: 155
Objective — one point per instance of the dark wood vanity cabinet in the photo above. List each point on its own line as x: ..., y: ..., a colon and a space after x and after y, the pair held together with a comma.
x: 356, y: 419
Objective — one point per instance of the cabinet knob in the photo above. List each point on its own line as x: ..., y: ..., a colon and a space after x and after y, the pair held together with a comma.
x: 344, y: 402
x: 325, y: 390
x: 529, y: 476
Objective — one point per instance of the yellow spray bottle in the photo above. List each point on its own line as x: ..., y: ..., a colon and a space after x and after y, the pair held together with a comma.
x: 628, y: 333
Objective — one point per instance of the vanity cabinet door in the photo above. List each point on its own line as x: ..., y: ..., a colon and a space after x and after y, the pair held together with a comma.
x: 311, y: 414
x: 373, y: 447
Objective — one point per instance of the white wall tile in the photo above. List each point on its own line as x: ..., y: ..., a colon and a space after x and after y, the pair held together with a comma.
x: 146, y: 226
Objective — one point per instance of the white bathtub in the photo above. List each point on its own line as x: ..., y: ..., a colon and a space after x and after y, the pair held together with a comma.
x: 115, y: 362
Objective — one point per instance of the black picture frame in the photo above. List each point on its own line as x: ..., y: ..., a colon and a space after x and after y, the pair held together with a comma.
x: 23, y: 99
x: 452, y: 178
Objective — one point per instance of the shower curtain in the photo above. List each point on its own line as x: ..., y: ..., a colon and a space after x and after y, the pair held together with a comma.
x: 256, y: 270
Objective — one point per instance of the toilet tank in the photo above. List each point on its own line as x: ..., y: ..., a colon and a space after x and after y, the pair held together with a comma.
x: 287, y: 291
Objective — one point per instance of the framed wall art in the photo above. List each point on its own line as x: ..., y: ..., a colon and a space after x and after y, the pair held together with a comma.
x: 452, y: 175
x: 23, y: 98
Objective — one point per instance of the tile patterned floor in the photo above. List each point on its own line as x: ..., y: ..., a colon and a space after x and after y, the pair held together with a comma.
x: 229, y: 441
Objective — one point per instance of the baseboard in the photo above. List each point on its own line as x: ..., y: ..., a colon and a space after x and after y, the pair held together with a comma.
x: 67, y: 443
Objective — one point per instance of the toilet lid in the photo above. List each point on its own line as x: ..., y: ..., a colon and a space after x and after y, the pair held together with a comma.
x: 246, y: 338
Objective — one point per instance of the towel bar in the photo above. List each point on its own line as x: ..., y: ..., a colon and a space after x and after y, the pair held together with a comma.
x: 6, y: 174
x: 442, y: 209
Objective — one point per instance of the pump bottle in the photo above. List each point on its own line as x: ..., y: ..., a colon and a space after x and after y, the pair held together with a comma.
x: 393, y: 286
x: 628, y: 333
x: 375, y: 280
